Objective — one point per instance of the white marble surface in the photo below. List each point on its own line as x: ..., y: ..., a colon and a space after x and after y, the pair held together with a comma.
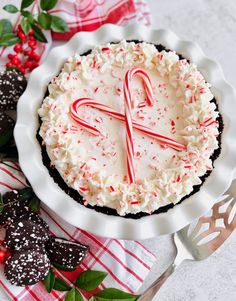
x: 212, y: 24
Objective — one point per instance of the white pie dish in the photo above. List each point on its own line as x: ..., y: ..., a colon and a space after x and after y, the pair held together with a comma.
x: 30, y: 157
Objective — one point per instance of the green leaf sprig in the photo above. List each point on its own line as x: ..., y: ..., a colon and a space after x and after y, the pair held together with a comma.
x: 114, y: 294
x: 43, y: 20
x: 90, y: 280
x: 8, y: 153
x: 74, y: 295
x: 4, y: 139
x: 87, y: 281
x: 49, y: 281
x: 7, y: 37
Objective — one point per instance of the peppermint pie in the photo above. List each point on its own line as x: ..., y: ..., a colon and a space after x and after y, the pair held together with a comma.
x: 129, y: 128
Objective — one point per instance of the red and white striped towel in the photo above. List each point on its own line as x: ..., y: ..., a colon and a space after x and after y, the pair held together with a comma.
x: 84, y: 15
x: 127, y: 262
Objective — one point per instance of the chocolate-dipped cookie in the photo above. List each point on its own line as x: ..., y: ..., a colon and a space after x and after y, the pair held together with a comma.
x: 65, y: 253
x: 34, y: 218
x: 38, y: 220
x: 12, y: 85
x: 25, y: 234
x: 14, y: 207
x: 6, y: 128
x: 27, y: 267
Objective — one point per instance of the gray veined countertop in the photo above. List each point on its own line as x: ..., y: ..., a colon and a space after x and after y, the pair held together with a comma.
x: 212, y: 24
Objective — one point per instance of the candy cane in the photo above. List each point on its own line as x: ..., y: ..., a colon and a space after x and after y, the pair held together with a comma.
x: 127, y: 118
x: 119, y: 116
x: 146, y: 82
x: 128, y: 114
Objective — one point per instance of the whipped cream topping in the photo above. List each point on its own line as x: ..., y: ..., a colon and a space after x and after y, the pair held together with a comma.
x: 95, y: 166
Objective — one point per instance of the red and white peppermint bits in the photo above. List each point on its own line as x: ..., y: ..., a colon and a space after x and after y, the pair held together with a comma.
x: 127, y: 118
x: 209, y: 121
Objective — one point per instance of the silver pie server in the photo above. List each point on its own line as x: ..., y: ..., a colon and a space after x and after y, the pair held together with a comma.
x: 200, y: 239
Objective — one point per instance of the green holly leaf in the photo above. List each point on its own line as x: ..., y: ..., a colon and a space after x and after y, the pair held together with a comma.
x: 28, y: 15
x: 4, y: 139
x: 47, y: 4
x: 9, y: 39
x: 26, y: 193
x: 1, y: 203
x: 26, y: 3
x: 60, y: 285
x: 49, y: 281
x: 38, y: 34
x: 62, y: 268
x: 25, y: 24
x: 9, y: 153
x: 114, y: 294
x: 45, y: 20
x: 35, y: 205
x: 89, y: 280
x: 5, y: 27
x: 58, y: 24
x: 12, y: 9
x: 74, y: 295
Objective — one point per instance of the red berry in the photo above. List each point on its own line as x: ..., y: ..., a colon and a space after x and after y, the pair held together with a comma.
x: 31, y: 32
x: 35, y: 64
x: 22, y: 36
x: 2, y: 256
x: 19, y: 28
x: 18, y: 65
x: 16, y: 60
x: 32, y: 44
x: 31, y: 38
x: 18, y: 48
x: 32, y: 64
x: 11, y: 56
x: 22, y: 69
x: 36, y: 57
x: 30, y: 54
x: 28, y: 64
x: 27, y: 52
x: 9, y: 64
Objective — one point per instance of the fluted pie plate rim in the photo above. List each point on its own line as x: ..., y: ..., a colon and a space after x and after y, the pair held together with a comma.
x: 29, y: 149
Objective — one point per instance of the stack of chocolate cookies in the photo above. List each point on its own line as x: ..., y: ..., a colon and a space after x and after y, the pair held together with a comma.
x: 33, y: 248
x: 12, y: 85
